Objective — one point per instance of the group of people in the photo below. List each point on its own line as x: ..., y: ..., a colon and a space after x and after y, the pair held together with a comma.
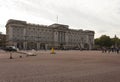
x: 109, y: 50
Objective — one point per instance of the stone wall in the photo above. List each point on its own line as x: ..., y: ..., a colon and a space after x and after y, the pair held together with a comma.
x: 34, y: 36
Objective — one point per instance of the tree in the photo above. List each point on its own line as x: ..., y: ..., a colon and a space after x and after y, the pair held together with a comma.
x: 103, y: 41
x: 97, y: 43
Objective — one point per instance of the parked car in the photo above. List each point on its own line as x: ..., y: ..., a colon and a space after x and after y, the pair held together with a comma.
x: 11, y: 48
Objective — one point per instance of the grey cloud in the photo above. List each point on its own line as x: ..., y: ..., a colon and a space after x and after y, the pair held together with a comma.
x: 102, y: 31
x: 68, y: 13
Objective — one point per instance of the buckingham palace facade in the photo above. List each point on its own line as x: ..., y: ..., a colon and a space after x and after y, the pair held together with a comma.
x: 25, y: 36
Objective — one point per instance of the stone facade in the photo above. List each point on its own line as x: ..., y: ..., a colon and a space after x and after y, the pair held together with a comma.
x: 2, y: 40
x: 34, y: 36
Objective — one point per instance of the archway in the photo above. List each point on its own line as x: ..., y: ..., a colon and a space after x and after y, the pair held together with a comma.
x: 61, y: 46
x: 42, y: 46
x: 86, y: 46
x: 19, y: 45
x: 31, y: 45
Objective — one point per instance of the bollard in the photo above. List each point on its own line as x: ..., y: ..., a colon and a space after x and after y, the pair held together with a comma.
x: 11, y: 55
x: 20, y: 56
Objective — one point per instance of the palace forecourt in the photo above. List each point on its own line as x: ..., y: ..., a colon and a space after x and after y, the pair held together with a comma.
x: 64, y: 66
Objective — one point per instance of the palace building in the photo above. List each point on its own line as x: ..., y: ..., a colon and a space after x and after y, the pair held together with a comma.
x: 25, y: 35
x: 2, y: 40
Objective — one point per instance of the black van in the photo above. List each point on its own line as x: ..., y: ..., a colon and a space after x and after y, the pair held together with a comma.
x: 10, y: 48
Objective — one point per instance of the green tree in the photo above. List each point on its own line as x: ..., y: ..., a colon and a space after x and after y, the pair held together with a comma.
x: 103, y: 41
x: 97, y: 43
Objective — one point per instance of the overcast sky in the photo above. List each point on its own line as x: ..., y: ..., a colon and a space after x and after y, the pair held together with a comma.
x: 102, y: 16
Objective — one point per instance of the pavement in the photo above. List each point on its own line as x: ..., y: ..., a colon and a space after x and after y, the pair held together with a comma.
x: 64, y: 66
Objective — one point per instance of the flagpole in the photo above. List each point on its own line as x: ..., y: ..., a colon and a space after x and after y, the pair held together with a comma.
x: 57, y: 19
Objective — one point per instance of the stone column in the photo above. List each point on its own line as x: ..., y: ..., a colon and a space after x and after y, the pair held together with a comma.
x: 60, y: 37
x: 90, y: 45
x: 25, y: 45
x: 64, y: 36
x: 46, y: 46
x: 38, y: 46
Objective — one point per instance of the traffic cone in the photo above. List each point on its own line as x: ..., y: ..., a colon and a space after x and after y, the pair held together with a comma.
x: 52, y: 51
